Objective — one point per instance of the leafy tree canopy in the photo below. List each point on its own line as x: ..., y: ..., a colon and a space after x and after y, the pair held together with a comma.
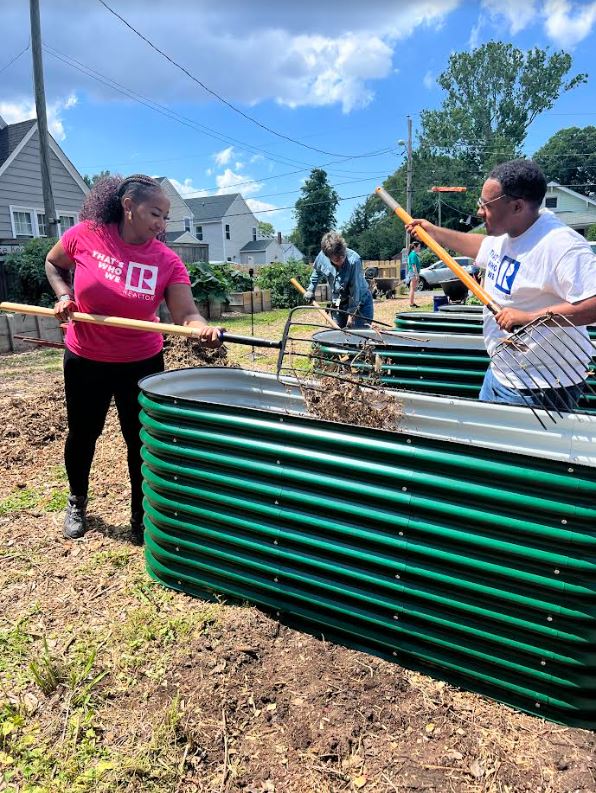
x: 91, y: 181
x: 265, y: 229
x: 569, y: 158
x: 494, y: 93
x: 315, y: 212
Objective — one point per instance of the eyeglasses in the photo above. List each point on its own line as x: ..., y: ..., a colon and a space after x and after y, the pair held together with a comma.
x: 481, y: 203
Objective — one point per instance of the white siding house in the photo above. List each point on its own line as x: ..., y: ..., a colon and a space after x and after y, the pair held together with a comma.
x: 181, y: 218
x: 21, y: 199
x: 225, y: 222
x: 267, y: 251
x: 574, y: 209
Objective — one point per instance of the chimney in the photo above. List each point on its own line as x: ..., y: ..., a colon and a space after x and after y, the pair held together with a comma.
x: 279, y: 237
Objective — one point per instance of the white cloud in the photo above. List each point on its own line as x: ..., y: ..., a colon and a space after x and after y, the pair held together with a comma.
x: 567, y: 24
x: 428, y: 80
x: 269, y: 52
x: 24, y: 109
x: 262, y: 206
x: 224, y: 156
x: 517, y: 13
x: 228, y: 182
x: 186, y: 188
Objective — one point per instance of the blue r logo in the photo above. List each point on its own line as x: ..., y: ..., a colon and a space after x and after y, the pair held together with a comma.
x: 506, y: 275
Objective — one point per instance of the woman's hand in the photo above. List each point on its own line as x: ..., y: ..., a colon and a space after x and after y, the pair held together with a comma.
x: 64, y: 308
x: 209, y: 335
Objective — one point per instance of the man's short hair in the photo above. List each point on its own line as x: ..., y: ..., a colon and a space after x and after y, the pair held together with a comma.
x: 333, y: 245
x: 521, y: 179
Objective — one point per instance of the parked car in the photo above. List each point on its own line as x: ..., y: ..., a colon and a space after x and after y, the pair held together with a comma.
x: 437, y: 272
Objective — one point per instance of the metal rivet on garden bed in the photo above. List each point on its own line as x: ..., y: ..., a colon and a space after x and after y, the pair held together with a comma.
x: 543, y: 663
x: 564, y: 522
x: 405, y: 489
x: 556, y: 572
x: 549, y: 618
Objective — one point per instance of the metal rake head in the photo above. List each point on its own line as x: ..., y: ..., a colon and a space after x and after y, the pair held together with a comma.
x: 548, y: 361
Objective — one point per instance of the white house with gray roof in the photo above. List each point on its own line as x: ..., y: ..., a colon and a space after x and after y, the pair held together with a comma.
x: 574, y: 209
x: 225, y: 223
x: 267, y: 251
x: 22, y: 215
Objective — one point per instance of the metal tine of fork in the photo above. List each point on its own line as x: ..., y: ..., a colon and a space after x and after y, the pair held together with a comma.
x: 524, y: 337
x: 548, y: 403
x: 528, y: 401
x: 560, y: 321
x: 512, y: 345
x: 577, y: 374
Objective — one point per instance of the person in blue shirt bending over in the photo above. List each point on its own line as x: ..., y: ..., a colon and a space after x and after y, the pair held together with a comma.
x: 342, y: 267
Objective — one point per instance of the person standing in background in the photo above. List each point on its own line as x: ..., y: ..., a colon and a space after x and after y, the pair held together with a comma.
x: 413, y: 270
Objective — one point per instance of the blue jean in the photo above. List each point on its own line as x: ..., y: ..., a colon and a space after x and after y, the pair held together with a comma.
x: 362, y: 318
x: 563, y: 399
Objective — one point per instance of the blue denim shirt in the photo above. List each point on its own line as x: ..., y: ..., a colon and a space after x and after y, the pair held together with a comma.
x: 348, y: 279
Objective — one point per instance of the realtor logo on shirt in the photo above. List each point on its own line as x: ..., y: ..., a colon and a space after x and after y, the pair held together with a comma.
x: 141, y: 278
x: 506, y: 274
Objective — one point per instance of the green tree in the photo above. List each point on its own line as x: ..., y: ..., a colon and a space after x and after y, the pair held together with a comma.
x: 265, y: 229
x: 315, y: 211
x: 569, y: 158
x: 493, y: 94
x: 91, y: 181
x: 591, y: 233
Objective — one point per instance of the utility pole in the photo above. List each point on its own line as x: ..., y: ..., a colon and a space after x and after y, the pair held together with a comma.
x: 409, y: 176
x: 52, y: 226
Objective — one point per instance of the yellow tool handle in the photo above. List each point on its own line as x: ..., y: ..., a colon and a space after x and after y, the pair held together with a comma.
x: 138, y: 324
x: 316, y: 305
x: 97, y: 319
x: 425, y: 237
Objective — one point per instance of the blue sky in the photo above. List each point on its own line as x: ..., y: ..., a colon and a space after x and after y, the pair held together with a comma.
x: 338, y: 78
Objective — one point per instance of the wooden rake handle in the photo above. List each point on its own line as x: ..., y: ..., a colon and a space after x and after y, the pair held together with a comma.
x: 316, y: 305
x: 138, y: 324
x: 425, y: 237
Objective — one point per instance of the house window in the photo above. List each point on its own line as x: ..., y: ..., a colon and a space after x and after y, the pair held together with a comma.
x: 229, y: 258
x: 41, y: 224
x: 199, y: 232
x: 67, y: 222
x: 23, y: 223
x: 550, y: 203
x: 227, y: 232
x: 187, y: 224
x: 254, y: 235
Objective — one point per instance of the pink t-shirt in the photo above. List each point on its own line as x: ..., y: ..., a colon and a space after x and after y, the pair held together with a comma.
x: 117, y: 279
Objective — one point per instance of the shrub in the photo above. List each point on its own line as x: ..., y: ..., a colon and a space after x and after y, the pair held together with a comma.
x: 277, y: 276
x: 26, y: 269
x: 591, y: 233
x: 235, y: 280
x: 205, y: 283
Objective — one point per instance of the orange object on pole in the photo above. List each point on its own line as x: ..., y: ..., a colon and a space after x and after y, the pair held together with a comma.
x: 449, y: 189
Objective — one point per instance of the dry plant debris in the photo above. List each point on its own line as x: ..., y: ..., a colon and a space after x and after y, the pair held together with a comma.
x: 181, y: 352
x: 349, y: 391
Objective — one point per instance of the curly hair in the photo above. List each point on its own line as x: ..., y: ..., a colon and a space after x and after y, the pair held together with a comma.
x: 521, y: 179
x: 333, y: 245
x: 103, y: 205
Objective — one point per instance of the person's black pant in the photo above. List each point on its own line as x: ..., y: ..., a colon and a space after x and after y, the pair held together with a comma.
x: 89, y: 387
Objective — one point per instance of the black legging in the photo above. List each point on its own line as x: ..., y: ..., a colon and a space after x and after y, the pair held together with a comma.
x: 90, y: 386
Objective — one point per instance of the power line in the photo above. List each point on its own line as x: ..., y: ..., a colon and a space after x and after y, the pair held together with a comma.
x: 185, y: 121
x: 16, y: 57
x: 224, y: 101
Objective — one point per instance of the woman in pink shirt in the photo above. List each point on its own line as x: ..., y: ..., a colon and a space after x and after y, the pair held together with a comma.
x: 120, y: 269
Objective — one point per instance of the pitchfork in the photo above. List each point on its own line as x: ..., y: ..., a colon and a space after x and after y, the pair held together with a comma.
x: 543, y: 352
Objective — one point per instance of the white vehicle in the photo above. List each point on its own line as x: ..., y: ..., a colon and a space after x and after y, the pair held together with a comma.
x: 437, y: 272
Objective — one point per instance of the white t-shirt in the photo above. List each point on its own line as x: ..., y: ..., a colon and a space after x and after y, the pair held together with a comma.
x: 548, y: 264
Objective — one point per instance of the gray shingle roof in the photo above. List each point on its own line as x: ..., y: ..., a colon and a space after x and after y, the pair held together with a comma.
x: 11, y: 136
x: 257, y: 245
x: 210, y: 207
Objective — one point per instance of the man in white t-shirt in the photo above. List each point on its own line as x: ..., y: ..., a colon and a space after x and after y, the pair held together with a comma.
x: 534, y: 263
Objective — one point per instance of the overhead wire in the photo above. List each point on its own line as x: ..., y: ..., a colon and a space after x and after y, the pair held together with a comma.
x: 226, y: 102
x: 16, y: 57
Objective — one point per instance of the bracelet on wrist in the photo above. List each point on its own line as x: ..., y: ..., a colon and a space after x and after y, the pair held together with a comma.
x: 63, y: 298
